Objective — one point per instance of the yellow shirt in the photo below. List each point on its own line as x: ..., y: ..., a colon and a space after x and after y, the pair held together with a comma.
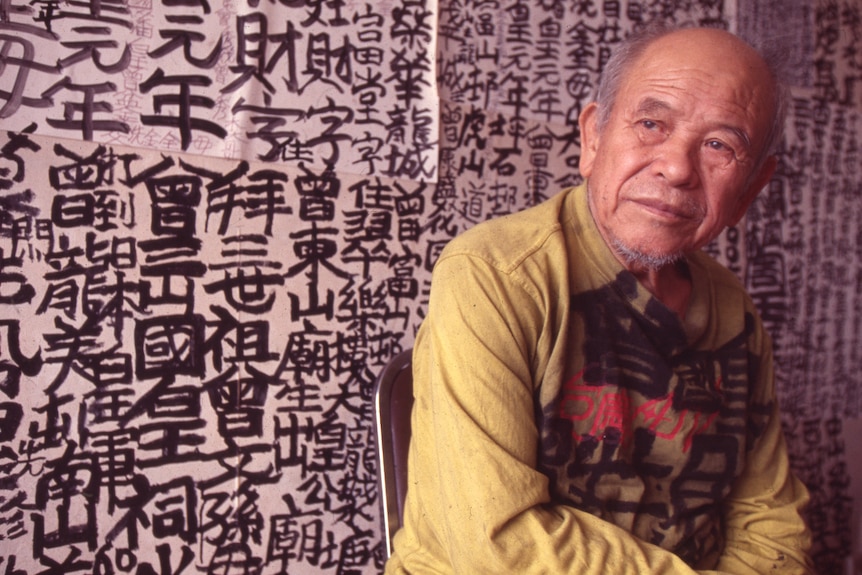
x: 565, y: 421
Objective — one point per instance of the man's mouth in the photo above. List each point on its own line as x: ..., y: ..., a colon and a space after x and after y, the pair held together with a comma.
x: 668, y: 210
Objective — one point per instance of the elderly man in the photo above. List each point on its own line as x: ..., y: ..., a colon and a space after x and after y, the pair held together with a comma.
x: 593, y: 393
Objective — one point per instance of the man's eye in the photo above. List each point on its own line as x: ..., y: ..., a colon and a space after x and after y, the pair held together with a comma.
x: 651, y: 131
x: 719, y: 146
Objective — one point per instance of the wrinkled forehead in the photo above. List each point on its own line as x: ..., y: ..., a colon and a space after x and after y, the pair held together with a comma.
x: 715, y: 51
x: 708, y: 65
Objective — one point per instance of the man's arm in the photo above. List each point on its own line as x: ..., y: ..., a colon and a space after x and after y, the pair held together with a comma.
x: 765, y: 532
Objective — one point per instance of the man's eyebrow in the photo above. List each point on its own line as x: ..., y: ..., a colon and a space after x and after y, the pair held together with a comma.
x: 649, y: 106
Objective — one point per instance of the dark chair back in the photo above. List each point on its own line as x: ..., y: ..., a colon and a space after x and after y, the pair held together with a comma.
x: 393, y: 402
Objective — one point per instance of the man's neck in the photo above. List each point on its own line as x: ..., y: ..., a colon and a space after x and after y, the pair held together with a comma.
x: 670, y: 284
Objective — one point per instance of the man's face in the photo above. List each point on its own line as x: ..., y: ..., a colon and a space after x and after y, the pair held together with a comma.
x: 677, y: 161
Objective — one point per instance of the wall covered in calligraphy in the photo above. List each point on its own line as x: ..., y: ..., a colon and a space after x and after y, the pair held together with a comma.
x: 218, y: 221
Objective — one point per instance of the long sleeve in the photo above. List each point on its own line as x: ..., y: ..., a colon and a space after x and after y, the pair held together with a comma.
x: 765, y: 533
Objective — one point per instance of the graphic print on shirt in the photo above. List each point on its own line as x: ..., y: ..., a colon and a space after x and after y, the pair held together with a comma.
x: 650, y: 434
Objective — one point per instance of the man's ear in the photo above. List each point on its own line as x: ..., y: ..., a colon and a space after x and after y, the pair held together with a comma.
x: 757, y: 184
x: 588, y: 124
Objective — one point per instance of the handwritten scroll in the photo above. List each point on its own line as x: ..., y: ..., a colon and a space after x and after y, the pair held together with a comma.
x: 344, y: 85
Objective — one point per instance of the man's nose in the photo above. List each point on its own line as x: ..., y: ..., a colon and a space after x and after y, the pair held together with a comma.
x: 677, y: 162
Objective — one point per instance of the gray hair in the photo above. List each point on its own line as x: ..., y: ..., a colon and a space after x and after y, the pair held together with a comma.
x: 625, y: 55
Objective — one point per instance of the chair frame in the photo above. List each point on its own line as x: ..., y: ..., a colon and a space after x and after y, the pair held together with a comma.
x: 393, y: 402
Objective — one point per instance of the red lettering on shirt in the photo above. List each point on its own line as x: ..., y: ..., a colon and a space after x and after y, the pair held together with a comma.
x: 593, y: 409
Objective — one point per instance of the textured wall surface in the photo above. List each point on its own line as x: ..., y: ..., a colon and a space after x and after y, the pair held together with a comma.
x: 218, y: 221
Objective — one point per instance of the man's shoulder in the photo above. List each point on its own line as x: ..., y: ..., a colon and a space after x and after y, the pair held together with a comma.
x: 727, y: 289
x: 718, y: 274
x: 508, y: 240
